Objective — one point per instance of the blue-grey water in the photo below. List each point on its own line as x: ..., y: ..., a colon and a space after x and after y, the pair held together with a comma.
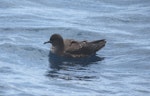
x: 121, y: 68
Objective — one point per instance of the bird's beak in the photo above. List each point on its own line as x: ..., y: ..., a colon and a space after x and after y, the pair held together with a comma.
x: 47, y: 42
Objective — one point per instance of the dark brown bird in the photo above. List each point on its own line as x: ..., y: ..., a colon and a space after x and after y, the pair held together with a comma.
x: 72, y: 48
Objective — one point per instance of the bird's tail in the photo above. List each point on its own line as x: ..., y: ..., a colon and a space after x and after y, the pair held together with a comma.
x: 99, y: 44
x: 103, y: 41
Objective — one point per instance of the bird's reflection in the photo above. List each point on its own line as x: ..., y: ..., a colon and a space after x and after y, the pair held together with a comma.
x: 64, y: 68
x: 57, y: 62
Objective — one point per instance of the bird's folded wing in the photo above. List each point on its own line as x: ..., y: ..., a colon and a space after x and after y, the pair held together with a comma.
x: 76, y: 47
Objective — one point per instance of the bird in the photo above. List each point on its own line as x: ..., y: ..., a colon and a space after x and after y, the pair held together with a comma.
x: 73, y: 48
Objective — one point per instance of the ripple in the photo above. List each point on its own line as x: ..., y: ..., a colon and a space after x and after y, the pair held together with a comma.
x: 121, y: 68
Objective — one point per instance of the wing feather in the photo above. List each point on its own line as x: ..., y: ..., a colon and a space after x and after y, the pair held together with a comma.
x: 77, y: 48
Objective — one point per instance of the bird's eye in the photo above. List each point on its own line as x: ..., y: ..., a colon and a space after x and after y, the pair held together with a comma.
x: 51, y: 39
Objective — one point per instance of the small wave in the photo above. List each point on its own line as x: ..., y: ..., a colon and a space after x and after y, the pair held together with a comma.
x: 23, y: 53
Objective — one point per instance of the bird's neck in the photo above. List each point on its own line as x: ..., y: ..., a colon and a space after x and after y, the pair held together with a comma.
x: 59, y: 49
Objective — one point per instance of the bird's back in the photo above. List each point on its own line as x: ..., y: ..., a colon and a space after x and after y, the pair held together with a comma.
x: 82, y: 48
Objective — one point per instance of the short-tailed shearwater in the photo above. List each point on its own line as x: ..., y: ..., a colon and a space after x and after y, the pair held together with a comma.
x: 72, y: 48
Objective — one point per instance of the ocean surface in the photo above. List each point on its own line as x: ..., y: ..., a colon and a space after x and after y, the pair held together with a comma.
x: 121, y: 68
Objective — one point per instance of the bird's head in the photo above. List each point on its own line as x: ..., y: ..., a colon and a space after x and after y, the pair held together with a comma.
x: 55, y: 40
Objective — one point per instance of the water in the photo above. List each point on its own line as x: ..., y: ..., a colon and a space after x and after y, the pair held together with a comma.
x: 121, y: 68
